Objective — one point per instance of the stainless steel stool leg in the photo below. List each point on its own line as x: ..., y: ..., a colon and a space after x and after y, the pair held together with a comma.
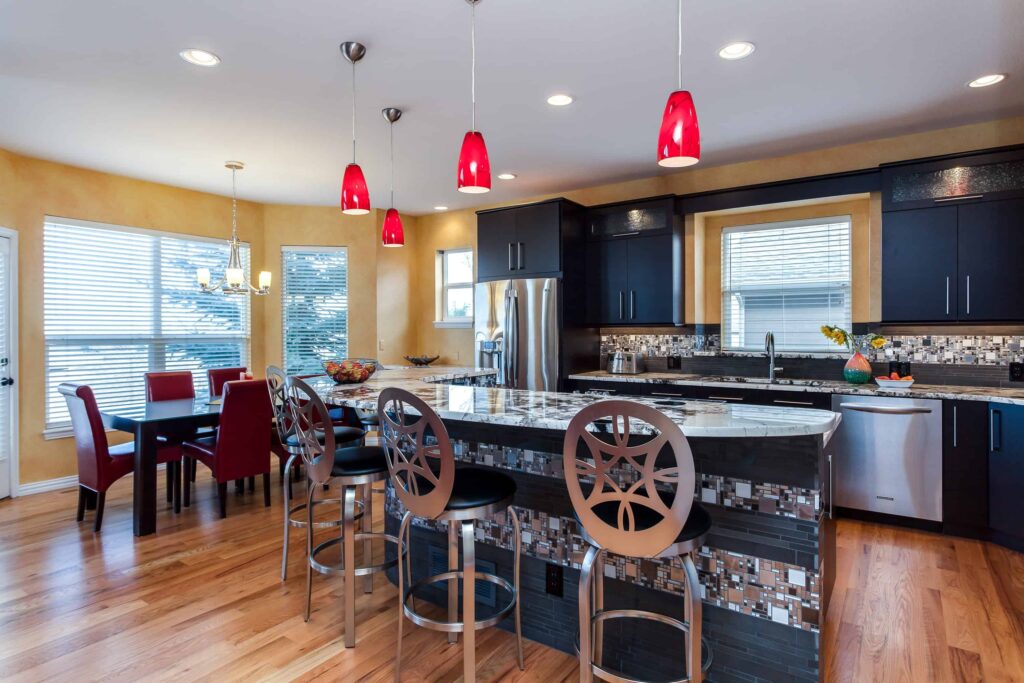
x: 694, y: 614
x: 349, y: 544
x: 453, y: 584
x: 309, y: 548
x: 402, y: 531
x: 368, y: 528
x: 468, y: 603
x: 515, y: 582
x: 287, y: 523
x: 586, y: 615
x: 598, y: 577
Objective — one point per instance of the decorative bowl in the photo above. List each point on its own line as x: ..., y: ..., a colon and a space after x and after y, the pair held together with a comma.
x: 350, y: 370
x: 894, y: 384
x: 421, y: 361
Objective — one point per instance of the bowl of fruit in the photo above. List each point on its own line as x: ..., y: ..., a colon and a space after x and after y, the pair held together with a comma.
x: 894, y: 382
x: 350, y: 370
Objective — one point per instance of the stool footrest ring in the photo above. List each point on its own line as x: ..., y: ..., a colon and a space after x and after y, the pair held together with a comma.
x: 339, y: 569
x: 458, y: 626
x: 325, y: 524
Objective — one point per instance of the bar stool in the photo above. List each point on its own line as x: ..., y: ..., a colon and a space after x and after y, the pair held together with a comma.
x: 284, y: 441
x: 428, y: 485
x: 646, y: 513
x: 354, y: 468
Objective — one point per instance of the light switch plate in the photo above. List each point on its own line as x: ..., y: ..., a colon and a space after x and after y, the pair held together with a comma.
x: 1017, y: 372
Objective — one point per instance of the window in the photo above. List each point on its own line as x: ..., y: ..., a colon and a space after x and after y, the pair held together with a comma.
x: 314, y: 300
x: 118, y: 302
x: 457, y: 285
x: 790, y: 278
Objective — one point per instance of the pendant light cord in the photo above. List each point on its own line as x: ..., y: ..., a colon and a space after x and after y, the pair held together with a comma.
x: 392, y: 145
x: 353, y: 112
x: 679, y: 53
x: 472, y: 40
x: 234, y: 206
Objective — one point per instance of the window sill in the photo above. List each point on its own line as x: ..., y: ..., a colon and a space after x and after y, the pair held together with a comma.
x: 64, y: 433
x: 453, y: 324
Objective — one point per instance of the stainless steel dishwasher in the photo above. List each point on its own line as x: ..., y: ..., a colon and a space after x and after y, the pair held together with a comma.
x: 887, y: 455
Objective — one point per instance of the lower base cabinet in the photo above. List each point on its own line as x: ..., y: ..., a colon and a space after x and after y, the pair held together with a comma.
x: 1006, y: 474
x: 965, y: 468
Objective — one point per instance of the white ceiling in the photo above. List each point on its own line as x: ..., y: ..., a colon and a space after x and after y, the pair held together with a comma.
x: 98, y: 83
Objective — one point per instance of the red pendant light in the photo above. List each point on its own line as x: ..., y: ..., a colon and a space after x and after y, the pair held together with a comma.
x: 474, y: 175
x: 679, y: 137
x: 392, y: 234
x: 355, y: 195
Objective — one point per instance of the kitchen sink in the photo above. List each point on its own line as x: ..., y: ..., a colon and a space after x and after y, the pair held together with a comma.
x: 764, y: 381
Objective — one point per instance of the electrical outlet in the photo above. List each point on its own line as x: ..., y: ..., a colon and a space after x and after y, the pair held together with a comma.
x: 1017, y: 372
x: 456, y: 355
x: 380, y: 345
x: 553, y: 580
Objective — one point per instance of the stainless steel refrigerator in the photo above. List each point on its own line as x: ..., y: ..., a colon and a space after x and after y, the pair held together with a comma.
x: 522, y: 330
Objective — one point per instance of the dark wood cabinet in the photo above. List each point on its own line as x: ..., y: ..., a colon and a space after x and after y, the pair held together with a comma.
x: 1006, y: 474
x: 919, y: 265
x: 620, y: 220
x: 956, y: 179
x: 526, y: 241
x: 965, y: 468
x: 633, y: 282
x: 990, y: 252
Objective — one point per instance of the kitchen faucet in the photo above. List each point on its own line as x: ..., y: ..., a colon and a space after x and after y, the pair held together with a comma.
x: 769, y: 349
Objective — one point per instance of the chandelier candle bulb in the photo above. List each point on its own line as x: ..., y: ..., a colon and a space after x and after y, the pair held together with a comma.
x: 234, y: 276
x: 203, y: 277
x: 265, y: 279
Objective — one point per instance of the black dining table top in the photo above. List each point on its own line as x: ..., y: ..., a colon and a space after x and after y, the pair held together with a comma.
x: 197, y: 410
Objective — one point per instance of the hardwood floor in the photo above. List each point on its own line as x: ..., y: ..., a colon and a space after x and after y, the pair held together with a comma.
x: 202, y: 600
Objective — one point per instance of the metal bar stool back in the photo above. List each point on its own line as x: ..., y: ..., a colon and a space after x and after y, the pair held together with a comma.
x: 421, y: 464
x: 354, y: 468
x: 630, y: 475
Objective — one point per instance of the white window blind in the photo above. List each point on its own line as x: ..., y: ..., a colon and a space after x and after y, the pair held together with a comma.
x: 457, y: 285
x: 119, y: 302
x: 315, y: 307
x: 790, y: 278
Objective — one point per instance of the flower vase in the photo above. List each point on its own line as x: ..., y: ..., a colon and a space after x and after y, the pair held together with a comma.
x: 857, y: 369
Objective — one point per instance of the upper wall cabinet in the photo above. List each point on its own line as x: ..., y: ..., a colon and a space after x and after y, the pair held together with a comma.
x: 615, y: 221
x: 528, y: 241
x: 953, y: 180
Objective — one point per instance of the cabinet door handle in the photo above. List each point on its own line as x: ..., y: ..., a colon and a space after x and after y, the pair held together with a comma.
x: 510, y: 266
x: 519, y: 255
x: 960, y: 198
x: 725, y: 398
x: 968, y: 295
x: 995, y: 435
x: 831, y: 493
x: 955, y: 439
x: 947, y: 295
x: 793, y: 403
x: 665, y: 393
x: 626, y: 234
x: 622, y: 304
x: 632, y: 304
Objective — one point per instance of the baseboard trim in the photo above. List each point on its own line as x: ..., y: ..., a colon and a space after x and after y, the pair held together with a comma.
x: 48, y: 485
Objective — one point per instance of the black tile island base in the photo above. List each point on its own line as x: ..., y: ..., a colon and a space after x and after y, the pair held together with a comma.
x: 766, y: 570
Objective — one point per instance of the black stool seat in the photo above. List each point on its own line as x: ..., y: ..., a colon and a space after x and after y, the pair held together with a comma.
x: 359, y: 460
x: 342, y: 435
x: 697, y: 524
x: 479, y: 486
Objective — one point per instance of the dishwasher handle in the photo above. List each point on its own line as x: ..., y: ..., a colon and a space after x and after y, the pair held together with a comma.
x: 884, y: 410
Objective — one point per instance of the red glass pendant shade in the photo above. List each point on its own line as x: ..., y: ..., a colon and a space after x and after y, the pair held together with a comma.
x: 679, y: 138
x: 474, y: 166
x: 355, y: 195
x: 392, y: 234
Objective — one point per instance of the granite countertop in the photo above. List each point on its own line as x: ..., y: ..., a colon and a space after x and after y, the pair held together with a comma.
x: 936, y: 391
x: 554, y: 410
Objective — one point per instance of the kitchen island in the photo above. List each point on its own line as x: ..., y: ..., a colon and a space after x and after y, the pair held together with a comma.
x: 766, y: 570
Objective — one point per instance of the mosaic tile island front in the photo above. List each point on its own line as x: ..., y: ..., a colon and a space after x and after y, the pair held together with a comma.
x: 766, y: 568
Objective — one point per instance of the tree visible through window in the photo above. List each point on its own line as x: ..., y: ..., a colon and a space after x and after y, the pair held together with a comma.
x: 314, y: 302
x: 457, y: 287
x: 788, y: 278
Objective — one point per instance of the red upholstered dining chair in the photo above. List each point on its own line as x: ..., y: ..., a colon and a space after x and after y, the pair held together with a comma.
x: 171, y: 385
x: 99, y: 464
x: 217, y: 376
x: 241, y: 446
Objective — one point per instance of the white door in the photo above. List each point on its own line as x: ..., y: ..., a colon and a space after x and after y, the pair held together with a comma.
x: 7, y: 395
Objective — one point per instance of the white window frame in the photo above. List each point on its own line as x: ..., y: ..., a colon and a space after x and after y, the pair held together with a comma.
x: 313, y: 249
x: 64, y: 430
x: 442, y: 318
x: 725, y: 292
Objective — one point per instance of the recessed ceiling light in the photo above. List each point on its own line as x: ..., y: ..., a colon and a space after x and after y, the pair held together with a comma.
x: 506, y: 176
x: 194, y: 55
x: 560, y: 100
x: 984, y: 81
x: 737, y: 50
x: 440, y: 208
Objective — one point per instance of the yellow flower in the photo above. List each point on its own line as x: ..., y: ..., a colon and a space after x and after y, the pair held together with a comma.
x: 878, y: 342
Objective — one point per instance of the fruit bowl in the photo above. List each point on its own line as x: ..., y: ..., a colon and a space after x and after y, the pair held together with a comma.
x: 421, y: 361
x: 901, y: 384
x: 350, y: 370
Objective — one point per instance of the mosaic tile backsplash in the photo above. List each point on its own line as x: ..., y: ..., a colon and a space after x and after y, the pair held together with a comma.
x: 939, y: 349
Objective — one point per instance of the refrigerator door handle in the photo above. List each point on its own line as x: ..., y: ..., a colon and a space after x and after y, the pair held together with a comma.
x: 511, y: 338
x: 547, y: 311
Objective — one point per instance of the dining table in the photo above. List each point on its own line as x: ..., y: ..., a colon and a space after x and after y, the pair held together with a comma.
x: 148, y: 420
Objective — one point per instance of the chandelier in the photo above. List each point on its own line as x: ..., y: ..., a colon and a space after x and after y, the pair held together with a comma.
x: 234, y: 280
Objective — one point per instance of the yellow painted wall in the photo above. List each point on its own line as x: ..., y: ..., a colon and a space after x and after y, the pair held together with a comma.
x: 32, y: 189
